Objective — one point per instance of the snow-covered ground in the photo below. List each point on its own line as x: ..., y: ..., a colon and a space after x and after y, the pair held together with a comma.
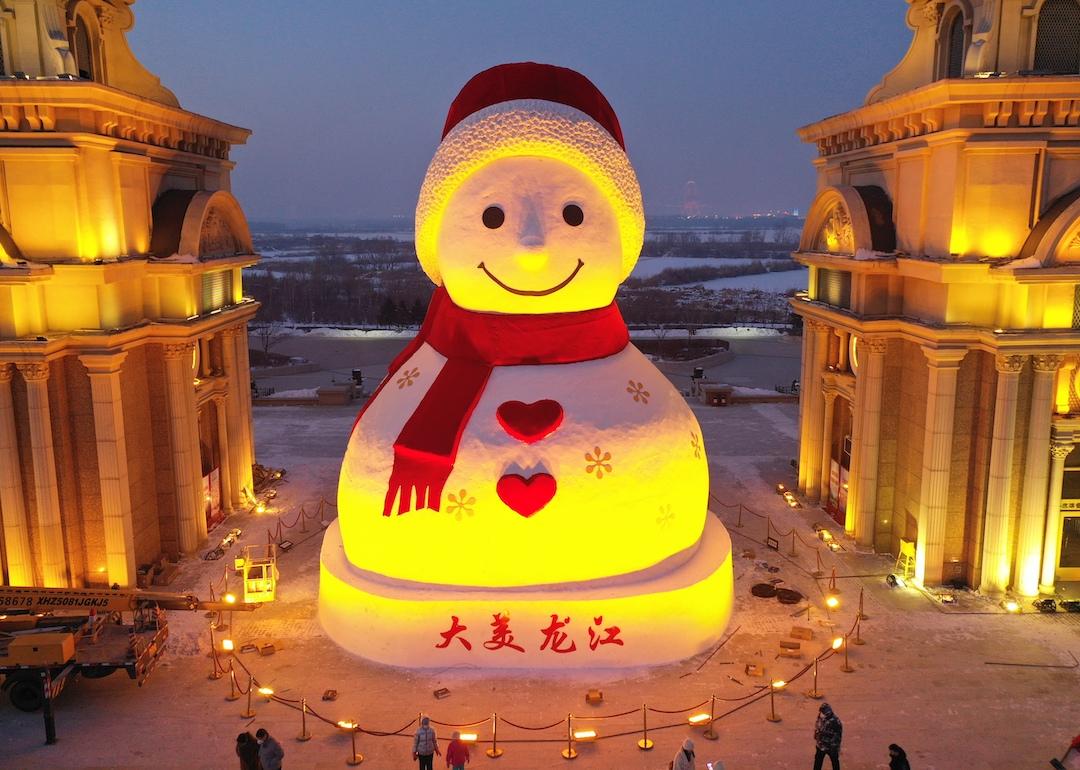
x: 928, y: 678
x: 779, y: 282
x: 647, y: 267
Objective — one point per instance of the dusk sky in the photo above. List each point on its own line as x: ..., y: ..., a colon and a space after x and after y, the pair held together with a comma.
x: 346, y: 99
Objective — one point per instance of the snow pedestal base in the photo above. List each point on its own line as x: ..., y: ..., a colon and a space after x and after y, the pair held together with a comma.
x: 661, y: 615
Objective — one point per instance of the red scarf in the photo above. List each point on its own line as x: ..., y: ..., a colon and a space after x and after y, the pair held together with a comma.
x: 473, y: 344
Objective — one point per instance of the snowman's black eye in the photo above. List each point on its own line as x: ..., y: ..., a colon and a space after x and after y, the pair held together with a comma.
x: 573, y: 215
x: 493, y: 217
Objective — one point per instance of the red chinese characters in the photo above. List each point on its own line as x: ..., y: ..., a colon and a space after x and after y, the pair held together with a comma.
x: 456, y: 627
x: 556, y: 637
x: 501, y: 635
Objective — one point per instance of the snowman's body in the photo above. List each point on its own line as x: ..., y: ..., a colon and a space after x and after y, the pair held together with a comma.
x: 561, y: 485
x: 629, y: 470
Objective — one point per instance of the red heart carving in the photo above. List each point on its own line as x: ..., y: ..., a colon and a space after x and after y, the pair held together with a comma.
x: 530, y: 422
x: 526, y: 495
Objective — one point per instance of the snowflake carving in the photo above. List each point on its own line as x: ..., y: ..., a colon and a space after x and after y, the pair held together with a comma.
x: 666, y: 516
x: 695, y: 444
x: 408, y: 377
x: 461, y: 504
x: 597, y: 461
x: 637, y: 390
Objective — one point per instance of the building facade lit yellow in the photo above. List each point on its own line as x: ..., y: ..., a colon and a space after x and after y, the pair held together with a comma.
x: 941, y: 353
x: 125, y: 410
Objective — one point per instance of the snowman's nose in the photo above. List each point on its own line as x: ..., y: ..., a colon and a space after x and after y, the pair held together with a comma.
x: 531, y: 234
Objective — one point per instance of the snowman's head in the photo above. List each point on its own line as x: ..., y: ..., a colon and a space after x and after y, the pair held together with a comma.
x: 530, y: 204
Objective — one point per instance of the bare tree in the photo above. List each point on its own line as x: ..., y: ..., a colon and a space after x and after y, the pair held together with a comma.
x: 270, y: 335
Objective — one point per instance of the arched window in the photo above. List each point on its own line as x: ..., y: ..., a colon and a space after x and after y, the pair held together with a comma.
x: 1057, y: 41
x: 954, y: 47
x: 84, y: 54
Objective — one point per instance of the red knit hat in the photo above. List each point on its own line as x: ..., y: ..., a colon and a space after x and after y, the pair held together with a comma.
x: 529, y: 80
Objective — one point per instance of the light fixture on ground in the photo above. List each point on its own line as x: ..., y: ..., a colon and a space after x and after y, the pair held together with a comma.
x: 775, y: 685
x: 267, y: 692
x: 831, y: 603
x: 350, y: 725
x: 701, y: 718
x: 1010, y: 605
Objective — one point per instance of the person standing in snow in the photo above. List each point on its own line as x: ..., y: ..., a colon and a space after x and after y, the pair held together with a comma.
x: 270, y: 751
x: 684, y: 760
x: 457, y: 753
x: 247, y: 748
x: 828, y: 731
x: 897, y: 758
x: 425, y: 745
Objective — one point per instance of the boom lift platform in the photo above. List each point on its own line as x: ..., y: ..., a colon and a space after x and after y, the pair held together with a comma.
x: 50, y: 636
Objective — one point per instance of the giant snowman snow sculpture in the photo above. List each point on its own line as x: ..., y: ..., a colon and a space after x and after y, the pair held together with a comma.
x: 525, y: 489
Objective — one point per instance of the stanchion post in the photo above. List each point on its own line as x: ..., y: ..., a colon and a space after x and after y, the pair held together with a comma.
x: 862, y: 615
x: 645, y: 744
x: 773, y: 687
x: 568, y: 752
x: 846, y: 668
x: 819, y: 571
x: 710, y: 733
x: 739, y: 522
x: 858, y: 637
x: 356, y: 757
x: 304, y: 734
x: 234, y: 693
x: 792, y: 553
x: 303, y: 520
x: 832, y: 583
x: 814, y: 692
x: 249, y: 712
x: 494, y: 752
x: 216, y: 672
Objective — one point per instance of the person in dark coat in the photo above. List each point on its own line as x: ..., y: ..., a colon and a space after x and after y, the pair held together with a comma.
x: 897, y: 758
x: 828, y: 732
x: 247, y: 748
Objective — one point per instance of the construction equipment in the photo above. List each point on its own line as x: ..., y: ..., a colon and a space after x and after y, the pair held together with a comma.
x: 50, y: 636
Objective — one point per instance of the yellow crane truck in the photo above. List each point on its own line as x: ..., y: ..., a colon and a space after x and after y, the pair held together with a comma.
x: 50, y: 636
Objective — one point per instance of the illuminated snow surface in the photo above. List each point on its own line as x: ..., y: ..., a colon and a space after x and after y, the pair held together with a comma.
x: 920, y: 681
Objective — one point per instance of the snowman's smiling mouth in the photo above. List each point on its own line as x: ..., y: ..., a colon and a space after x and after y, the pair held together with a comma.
x: 533, y: 292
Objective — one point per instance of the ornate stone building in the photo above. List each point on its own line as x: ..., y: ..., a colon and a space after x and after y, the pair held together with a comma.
x: 941, y: 358
x: 125, y: 411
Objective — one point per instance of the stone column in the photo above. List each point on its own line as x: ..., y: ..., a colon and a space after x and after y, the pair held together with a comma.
x: 181, y: 396
x: 1029, y: 536
x: 239, y: 383
x: 12, y: 504
x: 996, y: 564
x: 815, y: 410
x: 828, y: 392
x: 225, y: 471
x: 50, y: 529
x: 936, y: 460
x: 104, y: 372
x: 243, y: 374
x: 1051, y: 539
x: 871, y: 351
x: 804, y: 407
